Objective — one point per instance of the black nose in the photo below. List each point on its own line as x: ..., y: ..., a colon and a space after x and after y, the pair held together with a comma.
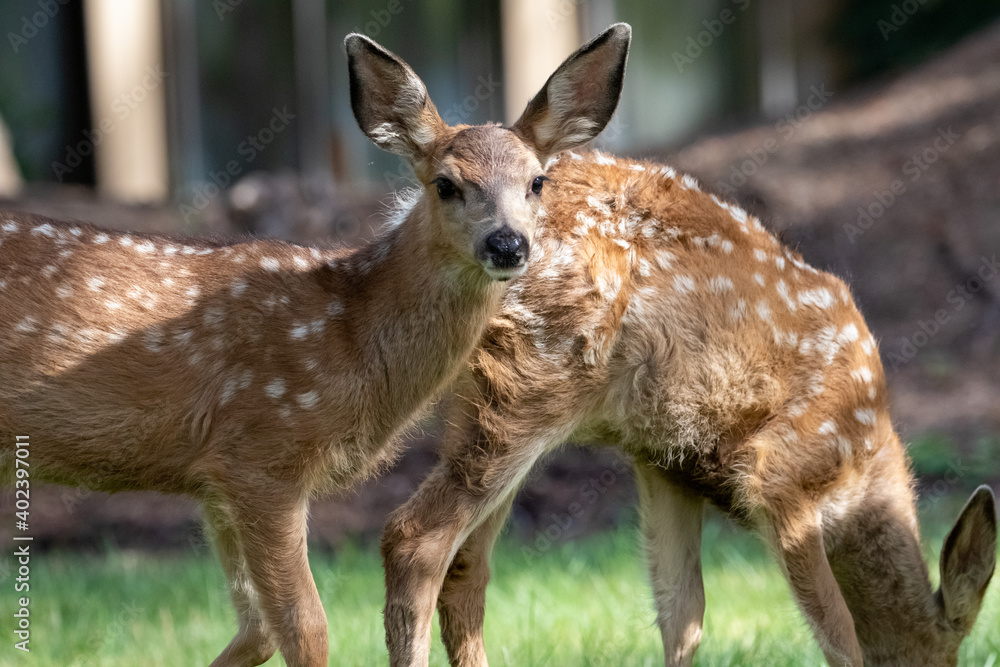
x: 507, y: 248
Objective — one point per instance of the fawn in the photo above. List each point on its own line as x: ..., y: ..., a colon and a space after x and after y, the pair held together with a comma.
x: 658, y: 317
x: 255, y: 375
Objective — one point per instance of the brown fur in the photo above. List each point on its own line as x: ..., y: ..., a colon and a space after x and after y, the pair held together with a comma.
x: 254, y: 375
x: 658, y: 317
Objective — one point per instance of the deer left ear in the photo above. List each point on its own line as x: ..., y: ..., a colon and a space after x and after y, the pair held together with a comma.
x: 968, y: 559
x: 579, y: 99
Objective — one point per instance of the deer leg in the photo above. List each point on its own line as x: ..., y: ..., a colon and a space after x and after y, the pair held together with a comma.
x: 671, y: 519
x: 253, y: 644
x: 272, y: 535
x: 799, y: 545
x: 462, y: 601
x: 423, y: 537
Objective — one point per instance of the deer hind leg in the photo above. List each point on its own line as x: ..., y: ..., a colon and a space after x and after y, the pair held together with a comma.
x: 798, y: 541
x: 462, y: 601
x: 671, y: 519
x: 272, y: 538
x: 253, y: 644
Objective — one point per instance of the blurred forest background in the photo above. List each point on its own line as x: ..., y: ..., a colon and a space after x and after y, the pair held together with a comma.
x: 866, y: 131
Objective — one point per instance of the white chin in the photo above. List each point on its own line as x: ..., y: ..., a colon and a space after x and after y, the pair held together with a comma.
x: 504, y: 274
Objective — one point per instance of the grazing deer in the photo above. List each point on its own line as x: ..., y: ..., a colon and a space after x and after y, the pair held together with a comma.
x: 660, y: 318
x: 255, y: 375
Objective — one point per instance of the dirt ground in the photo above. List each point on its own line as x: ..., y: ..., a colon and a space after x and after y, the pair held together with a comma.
x: 895, y: 188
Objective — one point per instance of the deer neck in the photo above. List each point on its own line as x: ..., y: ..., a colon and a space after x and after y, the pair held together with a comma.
x: 877, y: 561
x: 423, y: 310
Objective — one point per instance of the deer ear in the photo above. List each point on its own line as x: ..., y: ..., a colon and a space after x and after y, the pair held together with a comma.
x: 968, y: 559
x: 389, y: 101
x: 579, y: 99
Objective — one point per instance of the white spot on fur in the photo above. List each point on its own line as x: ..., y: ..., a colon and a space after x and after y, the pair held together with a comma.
x: 64, y: 291
x: 849, y: 333
x: 238, y: 288
x: 10, y: 227
x: 601, y: 158
x: 301, y: 262
x: 759, y: 279
x: 275, y: 388
x: 609, y: 285
x: 153, y: 339
x: 270, y: 264
x: 335, y: 308
x: 720, y: 284
x: 690, y: 182
x: 101, y: 238
x: 112, y: 304
x: 820, y: 298
x: 782, y: 289
x: 48, y: 270
x: 780, y: 263
x: 684, y: 284
x: 599, y: 206
x: 863, y: 374
x: 298, y: 332
x: 28, y: 325
x: 308, y: 400
x: 868, y: 345
x: 171, y: 250
x: 126, y: 240
x: 759, y: 255
x: 665, y: 259
x: 727, y: 246
x: 95, y: 284
x: 763, y: 311
x: 865, y: 416
x: 228, y: 391
x: 827, y: 428
x: 45, y: 230
x: 739, y: 311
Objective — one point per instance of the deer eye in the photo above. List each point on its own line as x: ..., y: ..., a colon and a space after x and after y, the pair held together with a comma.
x: 446, y: 189
x: 536, y: 185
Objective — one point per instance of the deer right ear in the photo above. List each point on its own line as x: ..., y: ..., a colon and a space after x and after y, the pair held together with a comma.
x: 389, y: 101
x: 579, y: 99
x: 968, y: 559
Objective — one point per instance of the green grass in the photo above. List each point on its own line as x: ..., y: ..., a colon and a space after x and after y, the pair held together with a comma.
x: 583, y: 603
